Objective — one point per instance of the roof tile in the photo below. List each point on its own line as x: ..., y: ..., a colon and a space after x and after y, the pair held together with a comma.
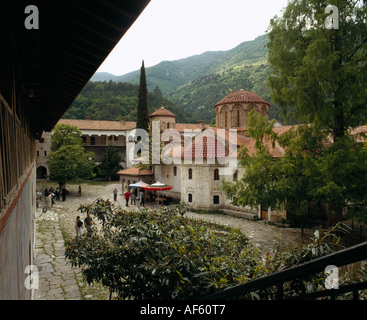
x: 242, y: 96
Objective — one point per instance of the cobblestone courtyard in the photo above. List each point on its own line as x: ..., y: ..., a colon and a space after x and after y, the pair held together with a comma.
x: 59, y: 281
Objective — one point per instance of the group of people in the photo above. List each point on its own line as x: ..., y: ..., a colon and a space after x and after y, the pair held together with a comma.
x: 56, y: 194
x: 132, y: 196
x: 79, y: 224
x: 51, y: 194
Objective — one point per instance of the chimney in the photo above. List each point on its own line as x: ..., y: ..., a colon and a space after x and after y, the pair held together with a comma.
x: 201, y: 124
x: 122, y: 120
x: 87, y: 118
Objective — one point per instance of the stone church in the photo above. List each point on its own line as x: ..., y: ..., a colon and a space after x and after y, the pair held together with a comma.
x: 209, y: 155
x: 204, y: 156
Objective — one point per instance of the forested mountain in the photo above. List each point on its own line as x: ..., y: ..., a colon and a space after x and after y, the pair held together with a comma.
x: 195, y: 84
x: 113, y: 100
x: 170, y: 75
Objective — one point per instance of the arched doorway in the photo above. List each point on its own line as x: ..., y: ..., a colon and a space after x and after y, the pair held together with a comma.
x: 41, y: 172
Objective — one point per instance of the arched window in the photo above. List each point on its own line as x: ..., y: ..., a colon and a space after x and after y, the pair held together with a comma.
x: 189, y: 197
x: 216, y: 174
x: 216, y: 199
x: 175, y: 171
x: 238, y: 118
x: 190, y: 173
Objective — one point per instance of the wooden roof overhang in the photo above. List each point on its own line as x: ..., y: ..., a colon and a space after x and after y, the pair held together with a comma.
x: 59, y: 58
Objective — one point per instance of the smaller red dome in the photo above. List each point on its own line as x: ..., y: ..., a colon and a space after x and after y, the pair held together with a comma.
x: 162, y: 112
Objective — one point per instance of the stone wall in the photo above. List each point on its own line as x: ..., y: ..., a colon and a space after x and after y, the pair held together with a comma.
x: 236, y: 115
x: 42, y: 150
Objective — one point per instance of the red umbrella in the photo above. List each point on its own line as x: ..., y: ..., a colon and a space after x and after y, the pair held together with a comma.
x: 158, y: 186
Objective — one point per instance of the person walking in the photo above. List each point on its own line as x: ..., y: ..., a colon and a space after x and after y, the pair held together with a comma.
x: 63, y: 193
x: 141, y: 197
x: 38, y: 198
x: 80, y: 191
x: 57, y: 194
x: 133, y: 197
x: 115, y: 194
x: 127, y: 196
x: 51, y: 196
x: 88, y: 222
x: 78, y: 226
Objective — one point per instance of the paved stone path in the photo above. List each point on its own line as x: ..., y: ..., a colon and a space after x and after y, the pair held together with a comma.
x: 57, y: 279
x: 260, y: 233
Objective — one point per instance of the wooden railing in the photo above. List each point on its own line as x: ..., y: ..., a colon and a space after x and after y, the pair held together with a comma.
x: 264, y: 287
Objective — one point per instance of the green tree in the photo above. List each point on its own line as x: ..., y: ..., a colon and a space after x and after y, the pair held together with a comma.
x: 318, y: 72
x: 110, y: 162
x: 278, y: 183
x: 142, y: 121
x: 65, y: 135
x: 157, y: 91
x: 68, y: 159
x: 309, y: 171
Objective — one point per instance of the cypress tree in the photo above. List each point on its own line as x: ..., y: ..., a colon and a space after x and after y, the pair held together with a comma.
x: 142, y: 111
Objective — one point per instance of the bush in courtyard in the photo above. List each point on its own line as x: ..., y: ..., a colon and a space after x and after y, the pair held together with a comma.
x: 161, y: 254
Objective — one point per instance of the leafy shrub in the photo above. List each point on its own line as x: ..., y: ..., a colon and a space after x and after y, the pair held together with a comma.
x: 161, y: 254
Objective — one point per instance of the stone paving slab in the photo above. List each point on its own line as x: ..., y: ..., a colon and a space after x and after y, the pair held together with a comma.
x: 57, y: 279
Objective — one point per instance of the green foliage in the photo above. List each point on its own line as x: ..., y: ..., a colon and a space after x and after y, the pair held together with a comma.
x: 117, y: 100
x: 161, y: 254
x: 200, y: 96
x: 110, y: 162
x: 313, y: 73
x: 309, y: 171
x: 320, y: 73
x: 68, y: 160
x: 142, y: 119
x: 342, y: 176
x: 195, y: 84
x: 65, y: 135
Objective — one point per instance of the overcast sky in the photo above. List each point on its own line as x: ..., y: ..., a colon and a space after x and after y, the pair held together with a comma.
x: 175, y: 29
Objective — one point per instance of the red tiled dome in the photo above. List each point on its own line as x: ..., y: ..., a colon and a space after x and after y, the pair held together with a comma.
x: 242, y: 96
x: 162, y: 112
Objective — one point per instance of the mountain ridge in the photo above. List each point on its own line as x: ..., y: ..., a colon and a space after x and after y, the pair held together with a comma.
x: 196, y: 83
x: 184, y: 70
